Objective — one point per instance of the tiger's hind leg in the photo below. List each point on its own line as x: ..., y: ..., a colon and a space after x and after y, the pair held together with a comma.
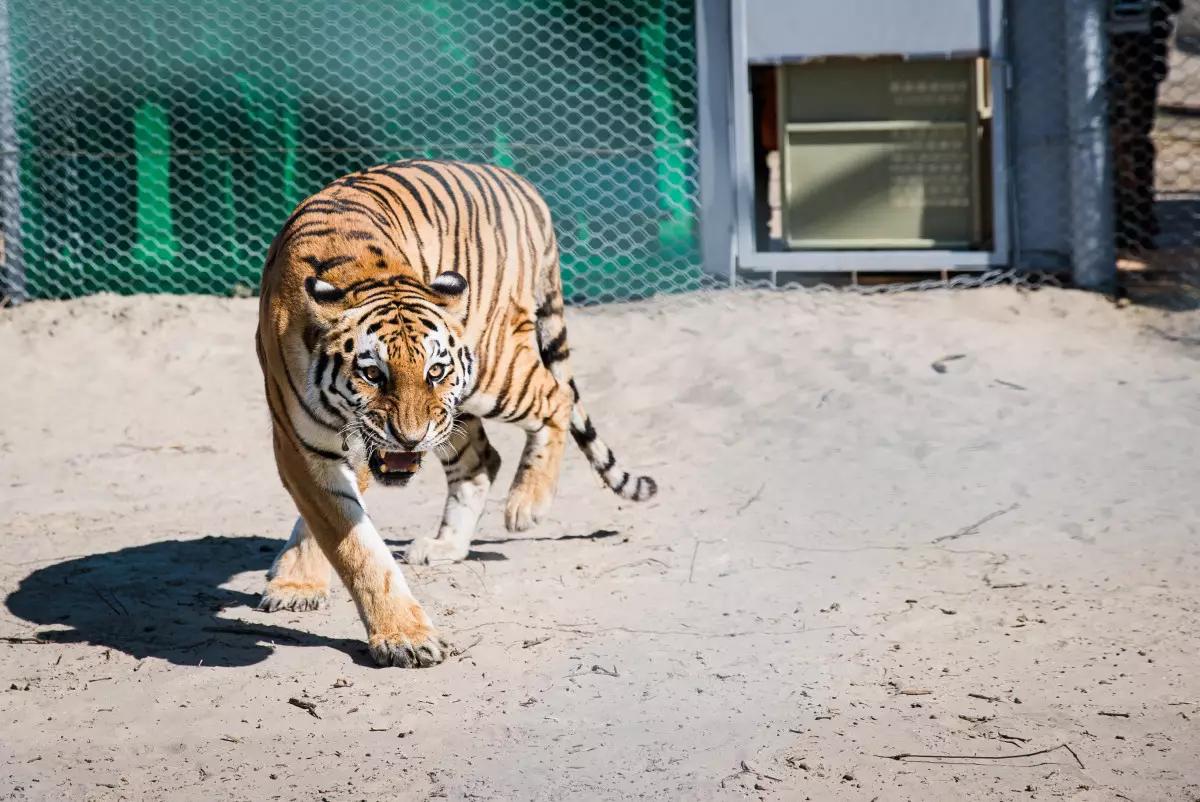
x: 543, y: 406
x: 471, y: 465
x: 545, y: 426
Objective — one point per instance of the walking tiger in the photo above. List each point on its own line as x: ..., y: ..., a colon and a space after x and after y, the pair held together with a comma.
x: 401, y: 306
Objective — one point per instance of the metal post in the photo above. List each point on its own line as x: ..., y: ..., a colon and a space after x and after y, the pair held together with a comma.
x: 12, y: 262
x: 713, y: 63
x: 1093, y: 251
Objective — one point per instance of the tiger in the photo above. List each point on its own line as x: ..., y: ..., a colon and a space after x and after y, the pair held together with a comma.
x: 399, y: 307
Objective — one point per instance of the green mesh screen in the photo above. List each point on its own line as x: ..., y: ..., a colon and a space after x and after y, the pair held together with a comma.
x: 163, y: 143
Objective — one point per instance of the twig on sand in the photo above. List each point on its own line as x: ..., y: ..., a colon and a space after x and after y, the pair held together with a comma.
x: 179, y: 448
x: 529, y: 644
x: 984, y: 698
x: 644, y: 561
x: 1113, y: 714
x: 14, y: 639
x: 460, y: 653
x: 255, y: 632
x: 746, y: 768
x: 939, y: 366
x: 608, y: 672
x: 108, y: 603
x: 751, y: 500
x: 304, y: 704
x: 973, y: 529
x: 910, y: 756
x: 692, y: 570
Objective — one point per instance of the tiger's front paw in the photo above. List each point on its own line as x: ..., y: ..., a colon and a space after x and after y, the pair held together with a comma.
x: 282, y: 594
x: 400, y: 634
x: 409, y: 650
x: 428, y: 550
x: 528, y: 501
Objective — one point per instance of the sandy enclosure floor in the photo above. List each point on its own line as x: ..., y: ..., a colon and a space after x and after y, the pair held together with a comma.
x: 807, y: 593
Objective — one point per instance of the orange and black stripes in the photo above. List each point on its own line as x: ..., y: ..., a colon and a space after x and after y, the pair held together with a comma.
x: 400, y: 306
x: 374, y: 241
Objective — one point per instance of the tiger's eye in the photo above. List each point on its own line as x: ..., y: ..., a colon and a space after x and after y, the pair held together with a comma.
x: 436, y: 372
x: 372, y: 374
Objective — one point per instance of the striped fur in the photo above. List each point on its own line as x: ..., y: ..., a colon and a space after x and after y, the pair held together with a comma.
x: 401, y: 306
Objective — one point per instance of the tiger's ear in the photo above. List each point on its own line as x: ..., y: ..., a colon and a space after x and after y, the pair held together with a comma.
x: 322, y: 291
x: 450, y: 292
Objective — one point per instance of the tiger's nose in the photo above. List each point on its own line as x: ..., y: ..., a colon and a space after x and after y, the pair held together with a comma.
x: 402, y: 441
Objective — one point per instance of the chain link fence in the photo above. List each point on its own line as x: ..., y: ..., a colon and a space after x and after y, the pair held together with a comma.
x: 161, y: 144
x: 1155, y: 112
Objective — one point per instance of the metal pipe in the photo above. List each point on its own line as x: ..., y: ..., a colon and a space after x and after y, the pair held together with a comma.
x: 716, y: 207
x: 1093, y: 251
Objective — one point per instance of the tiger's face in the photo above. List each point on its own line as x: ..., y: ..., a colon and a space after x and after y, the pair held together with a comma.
x: 395, y: 367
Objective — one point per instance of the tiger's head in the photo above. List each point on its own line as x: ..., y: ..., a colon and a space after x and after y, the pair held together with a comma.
x: 390, y: 359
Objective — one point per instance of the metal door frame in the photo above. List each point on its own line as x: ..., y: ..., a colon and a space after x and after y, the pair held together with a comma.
x: 727, y: 169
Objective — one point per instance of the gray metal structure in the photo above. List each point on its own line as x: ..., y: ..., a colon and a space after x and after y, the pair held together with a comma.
x: 1093, y: 250
x: 1050, y: 179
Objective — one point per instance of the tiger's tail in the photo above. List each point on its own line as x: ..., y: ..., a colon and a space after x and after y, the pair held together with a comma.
x: 556, y: 356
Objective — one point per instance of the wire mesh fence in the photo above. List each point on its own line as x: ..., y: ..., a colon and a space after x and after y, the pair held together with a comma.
x: 1153, y: 94
x: 159, y: 145
x: 162, y: 144
x: 1156, y: 128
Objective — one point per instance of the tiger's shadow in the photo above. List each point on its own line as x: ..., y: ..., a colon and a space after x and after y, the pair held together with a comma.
x: 485, y: 556
x: 163, y: 600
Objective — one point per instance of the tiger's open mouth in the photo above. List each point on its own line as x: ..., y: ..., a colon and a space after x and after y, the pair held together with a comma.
x: 394, y: 467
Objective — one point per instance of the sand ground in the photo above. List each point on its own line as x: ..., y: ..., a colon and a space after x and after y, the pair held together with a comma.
x: 853, y: 555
